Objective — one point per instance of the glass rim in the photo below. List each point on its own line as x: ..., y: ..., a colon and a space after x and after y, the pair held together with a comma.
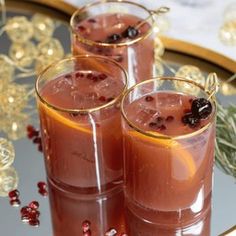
x: 92, y: 43
x: 86, y: 110
x: 170, y: 137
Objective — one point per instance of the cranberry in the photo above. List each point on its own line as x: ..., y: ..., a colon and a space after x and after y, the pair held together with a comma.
x: 86, y: 226
x: 34, y: 205
x: 34, y: 222
x: 131, y: 32
x: 113, y: 38
x: 201, y: 108
x: 92, y: 20
x: 14, y: 194
x: 169, y: 118
x: 15, y: 202
x: 42, y: 185
x: 149, y: 98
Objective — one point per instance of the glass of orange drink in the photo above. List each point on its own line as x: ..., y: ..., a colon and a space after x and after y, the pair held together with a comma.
x: 169, y: 135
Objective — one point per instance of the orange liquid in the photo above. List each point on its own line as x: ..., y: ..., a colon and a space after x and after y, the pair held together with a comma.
x: 83, y: 152
x: 167, y: 181
x: 129, y: 56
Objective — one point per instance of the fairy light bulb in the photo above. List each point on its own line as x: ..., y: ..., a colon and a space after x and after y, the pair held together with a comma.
x: 191, y: 73
x: 15, y: 126
x: 19, y: 29
x: 6, y: 73
x: 23, y: 54
x: 7, y: 153
x: 13, y: 99
x: 227, y: 33
x: 8, y: 181
x: 43, y: 27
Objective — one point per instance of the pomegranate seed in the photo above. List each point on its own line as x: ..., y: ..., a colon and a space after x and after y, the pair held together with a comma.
x: 162, y: 127
x: 87, y: 233
x: 34, y: 214
x: 110, y: 99
x: 102, y: 98
x: 34, y: 205
x: 42, y: 185
x: 169, y: 118
x: 86, y: 225
x: 149, y: 98
x: 43, y: 192
x: 15, y: 202
x: 40, y: 148
x: 68, y: 76
x: 37, y: 140
x: 14, y: 194
x: 92, y: 20
x: 95, y: 78
x: 89, y: 76
x: 152, y: 124
x: 34, y: 222
x: 102, y: 76
x: 81, y: 28
x: 30, y: 128
x: 111, y: 232
x: 25, y: 218
x: 79, y: 74
x: 159, y: 119
x: 25, y: 210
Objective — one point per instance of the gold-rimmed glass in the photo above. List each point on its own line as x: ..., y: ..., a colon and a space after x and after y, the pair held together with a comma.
x: 131, y: 53
x: 82, y: 144
x: 167, y: 178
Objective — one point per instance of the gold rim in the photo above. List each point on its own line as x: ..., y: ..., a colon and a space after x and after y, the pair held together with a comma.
x: 81, y: 110
x: 93, y: 43
x: 150, y: 134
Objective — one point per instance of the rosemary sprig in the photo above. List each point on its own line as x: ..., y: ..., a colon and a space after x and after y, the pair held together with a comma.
x: 226, y: 139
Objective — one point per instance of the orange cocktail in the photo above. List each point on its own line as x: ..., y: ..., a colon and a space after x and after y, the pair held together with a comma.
x: 169, y: 140
x: 78, y: 102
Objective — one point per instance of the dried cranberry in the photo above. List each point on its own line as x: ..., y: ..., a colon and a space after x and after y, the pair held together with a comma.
x: 34, y: 205
x: 113, y: 38
x: 131, y: 32
x: 149, y: 98
x: 14, y: 194
x: 169, y: 118
x: 201, y: 108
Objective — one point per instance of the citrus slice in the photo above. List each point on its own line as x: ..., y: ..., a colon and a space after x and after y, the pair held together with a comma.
x: 181, y: 154
x: 62, y: 119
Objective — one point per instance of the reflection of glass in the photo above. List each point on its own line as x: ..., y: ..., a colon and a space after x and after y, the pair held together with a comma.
x: 69, y: 211
x: 167, y: 163
x: 137, y: 226
x: 8, y: 181
x: 78, y: 100
x: 100, y: 28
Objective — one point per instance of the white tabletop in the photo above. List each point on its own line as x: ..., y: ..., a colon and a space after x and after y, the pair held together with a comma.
x: 199, y: 23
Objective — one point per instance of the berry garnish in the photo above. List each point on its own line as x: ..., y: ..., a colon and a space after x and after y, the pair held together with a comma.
x: 34, y: 222
x: 149, y: 98
x: 201, y: 108
x: 131, y: 32
x: 34, y: 205
x: 159, y: 119
x: 169, y: 118
x: 113, y: 38
x: 14, y: 194
x: 191, y: 120
x: 102, y: 76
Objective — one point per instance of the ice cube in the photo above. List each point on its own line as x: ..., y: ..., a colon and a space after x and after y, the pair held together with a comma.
x: 169, y: 101
x: 107, y: 88
x: 61, y: 85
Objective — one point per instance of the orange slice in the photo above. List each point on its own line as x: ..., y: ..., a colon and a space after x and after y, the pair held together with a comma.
x: 182, y: 155
x: 62, y: 119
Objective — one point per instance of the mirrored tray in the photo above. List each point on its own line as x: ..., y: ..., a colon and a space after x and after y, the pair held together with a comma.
x: 29, y: 163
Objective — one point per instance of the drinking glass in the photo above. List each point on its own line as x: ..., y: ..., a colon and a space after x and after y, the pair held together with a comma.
x: 94, y: 24
x: 78, y: 102
x: 168, y: 163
